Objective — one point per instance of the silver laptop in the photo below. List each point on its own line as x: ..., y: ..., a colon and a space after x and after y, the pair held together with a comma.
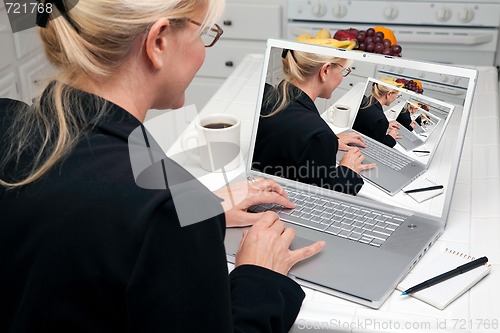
x: 425, y: 121
x: 371, y: 244
x: 396, y: 168
x: 409, y: 140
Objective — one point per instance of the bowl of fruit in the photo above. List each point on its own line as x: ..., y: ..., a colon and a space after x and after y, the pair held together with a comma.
x: 375, y: 40
x: 411, y: 84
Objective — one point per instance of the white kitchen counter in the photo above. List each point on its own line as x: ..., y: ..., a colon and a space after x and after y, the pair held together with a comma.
x: 473, y: 225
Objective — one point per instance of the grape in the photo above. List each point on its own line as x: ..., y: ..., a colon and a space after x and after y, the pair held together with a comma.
x: 379, y: 47
x: 396, y: 49
x: 361, y: 37
x: 370, y: 40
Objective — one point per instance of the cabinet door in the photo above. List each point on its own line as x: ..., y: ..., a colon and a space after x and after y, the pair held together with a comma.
x: 7, y: 56
x: 33, y: 74
x: 201, y: 90
x: 221, y: 60
x: 251, y: 21
x: 8, y: 85
x: 26, y: 42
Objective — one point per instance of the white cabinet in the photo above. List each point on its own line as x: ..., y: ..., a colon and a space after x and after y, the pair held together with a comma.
x: 32, y: 74
x: 8, y: 85
x: 22, y: 62
x: 247, y: 25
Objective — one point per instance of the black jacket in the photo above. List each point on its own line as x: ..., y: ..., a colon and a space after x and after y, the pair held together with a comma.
x: 404, y: 118
x: 297, y: 144
x: 371, y: 121
x: 84, y: 249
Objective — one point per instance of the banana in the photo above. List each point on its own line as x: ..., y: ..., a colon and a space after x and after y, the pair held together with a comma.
x: 323, y: 37
x: 339, y: 44
x: 303, y: 37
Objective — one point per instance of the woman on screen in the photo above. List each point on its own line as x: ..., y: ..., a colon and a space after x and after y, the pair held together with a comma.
x: 371, y: 119
x: 293, y: 141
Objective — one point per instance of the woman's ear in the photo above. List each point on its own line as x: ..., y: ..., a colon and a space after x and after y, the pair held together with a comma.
x: 156, y: 42
x: 323, y: 72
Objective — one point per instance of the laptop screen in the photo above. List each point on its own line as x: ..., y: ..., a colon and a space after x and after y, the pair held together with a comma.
x: 292, y: 146
x: 424, y: 116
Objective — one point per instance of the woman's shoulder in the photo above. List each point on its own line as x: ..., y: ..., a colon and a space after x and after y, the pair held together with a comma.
x: 9, y: 107
x: 8, y: 103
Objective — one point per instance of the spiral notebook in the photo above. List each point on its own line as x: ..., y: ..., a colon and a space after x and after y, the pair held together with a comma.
x: 442, y: 294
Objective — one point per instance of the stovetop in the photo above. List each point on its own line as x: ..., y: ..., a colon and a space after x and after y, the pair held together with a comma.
x: 459, y: 13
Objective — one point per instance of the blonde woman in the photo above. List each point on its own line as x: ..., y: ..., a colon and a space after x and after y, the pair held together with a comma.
x: 371, y: 119
x: 293, y: 141
x: 405, y: 116
x: 82, y: 247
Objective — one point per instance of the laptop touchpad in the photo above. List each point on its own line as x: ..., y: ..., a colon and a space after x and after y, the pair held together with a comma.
x: 300, y: 242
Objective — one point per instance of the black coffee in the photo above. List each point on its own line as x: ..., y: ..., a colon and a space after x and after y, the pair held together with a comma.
x: 218, y: 125
x: 342, y: 108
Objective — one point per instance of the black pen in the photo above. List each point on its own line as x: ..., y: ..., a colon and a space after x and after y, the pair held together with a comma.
x: 445, y: 276
x: 422, y: 151
x: 430, y: 188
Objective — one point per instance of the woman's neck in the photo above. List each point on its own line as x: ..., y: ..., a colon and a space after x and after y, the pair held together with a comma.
x: 308, y: 87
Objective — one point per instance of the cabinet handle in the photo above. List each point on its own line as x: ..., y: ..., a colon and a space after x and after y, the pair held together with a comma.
x: 229, y: 63
x: 227, y: 22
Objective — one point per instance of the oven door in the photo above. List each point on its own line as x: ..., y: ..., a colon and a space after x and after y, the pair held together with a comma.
x: 472, y: 46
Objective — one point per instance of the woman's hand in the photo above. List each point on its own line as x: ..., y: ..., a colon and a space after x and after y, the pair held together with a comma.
x: 350, y: 140
x: 240, y: 196
x: 393, y: 124
x: 353, y: 160
x: 267, y: 244
x: 394, y: 132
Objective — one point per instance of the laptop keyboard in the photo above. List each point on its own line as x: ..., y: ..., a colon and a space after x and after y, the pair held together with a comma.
x: 385, y: 156
x: 337, y: 218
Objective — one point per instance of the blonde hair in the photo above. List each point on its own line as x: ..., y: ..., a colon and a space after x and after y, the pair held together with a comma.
x: 96, y: 41
x: 298, y: 67
x: 378, y: 91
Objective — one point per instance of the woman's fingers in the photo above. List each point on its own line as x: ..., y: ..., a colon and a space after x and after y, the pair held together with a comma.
x: 305, y: 252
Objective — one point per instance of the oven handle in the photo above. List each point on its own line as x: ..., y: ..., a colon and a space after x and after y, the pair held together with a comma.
x: 445, y: 38
x: 445, y: 90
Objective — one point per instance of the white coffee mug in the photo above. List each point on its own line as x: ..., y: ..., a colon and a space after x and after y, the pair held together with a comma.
x: 217, y: 139
x: 339, y: 115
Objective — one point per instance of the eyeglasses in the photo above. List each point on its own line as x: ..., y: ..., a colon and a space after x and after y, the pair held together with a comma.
x: 211, y: 35
x: 345, y: 70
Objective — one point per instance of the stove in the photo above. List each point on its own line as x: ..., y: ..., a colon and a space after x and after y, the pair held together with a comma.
x: 448, y: 31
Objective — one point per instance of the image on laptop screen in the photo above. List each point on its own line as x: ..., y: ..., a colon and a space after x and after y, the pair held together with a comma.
x: 418, y: 118
x: 439, y: 121
x: 421, y: 120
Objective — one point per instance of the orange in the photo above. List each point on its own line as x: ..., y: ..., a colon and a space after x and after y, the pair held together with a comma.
x: 419, y: 84
x: 387, y: 34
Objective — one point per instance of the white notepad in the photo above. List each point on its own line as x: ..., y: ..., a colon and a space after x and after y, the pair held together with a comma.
x: 442, y: 294
x: 422, y: 182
